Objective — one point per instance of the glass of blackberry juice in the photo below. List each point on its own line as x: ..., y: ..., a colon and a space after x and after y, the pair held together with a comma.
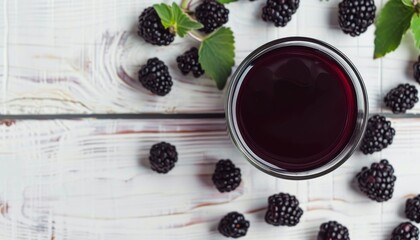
x: 296, y: 108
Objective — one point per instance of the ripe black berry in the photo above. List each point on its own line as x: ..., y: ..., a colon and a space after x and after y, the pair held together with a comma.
x: 333, y: 230
x: 416, y: 68
x: 279, y: 12
x: 151, y: 28
x: 412, y: 209
x: 283, y: 210
x: 402, y: 98
x: 355, y: 16
x: 226, y: 177
x: 163, y: 157
x: 377, y: 182
x: 233, y: 225
x: 379, y: 135
x: 212, y: 15
x: 188, y: 62
x: 405, y: 231
x: 155, y: 77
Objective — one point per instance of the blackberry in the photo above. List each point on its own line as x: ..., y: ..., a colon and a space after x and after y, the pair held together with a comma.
x: 212, y: 15
x: 405, y: 231
x: 412, y: 209
x: 155, y: 77
x: 226, y: 177
x: 416, y: 69
x: 279, y: 12
x: 233, y: 225
x: 188, y: 62
x: 333, y: 230
x: 151, y: 29
x: 355, y: 16
x: 379, y: 135
x: 163, y: 157
x: 377, y: 182
x: 283, y: 210
x: 401, y: 98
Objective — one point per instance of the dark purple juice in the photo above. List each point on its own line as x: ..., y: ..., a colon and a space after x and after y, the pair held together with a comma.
x: 296, y: 108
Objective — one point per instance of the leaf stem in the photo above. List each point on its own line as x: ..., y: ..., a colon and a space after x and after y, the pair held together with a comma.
x: 196, y: 35
x: 185, y: 5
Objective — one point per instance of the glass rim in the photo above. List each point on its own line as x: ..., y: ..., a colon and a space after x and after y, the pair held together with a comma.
x: 362, y: 108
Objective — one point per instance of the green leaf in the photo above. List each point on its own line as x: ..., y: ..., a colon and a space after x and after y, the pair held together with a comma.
x: 415, y: 28
x: 173, y: 17
x: 217, y: 55
x: 164, y: 12
x: 183, y: 23
x: 226, y: 1
x: 392, y: 23
x: 408, y: 3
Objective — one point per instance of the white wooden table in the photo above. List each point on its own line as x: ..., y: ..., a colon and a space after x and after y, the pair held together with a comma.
x: 88, y: 179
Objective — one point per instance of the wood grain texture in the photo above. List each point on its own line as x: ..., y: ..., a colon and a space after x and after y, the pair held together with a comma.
x: 82, y: 56
x: 91, y: 180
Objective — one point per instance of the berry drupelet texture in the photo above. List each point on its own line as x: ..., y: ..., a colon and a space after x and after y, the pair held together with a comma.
x: 333, y: 230
x: 378, y: 181
x: 402, y: 98
x: 155, y: 77
x: 416, y: 70
x: 279, y: 12
x: 379, y: 135
x: 233, y: 225
x: 283, y: 210
x: 188, y: 62
x: 151, y: 29
x: 212, y: 15
x: 163, y: 157
x: 355, y: 16
x: 227, y: 176
x: 405, y: 231
x: 412, y: 209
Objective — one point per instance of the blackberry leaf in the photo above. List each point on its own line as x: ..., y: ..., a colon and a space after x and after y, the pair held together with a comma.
x: 415, y: 28
x: 408, y: 3
x: 217, y: 55
x: 174, y: 17
x: 392, y: 23
x: 164, y: 12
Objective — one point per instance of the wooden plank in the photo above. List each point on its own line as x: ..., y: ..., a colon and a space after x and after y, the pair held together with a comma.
x: 90, y: 179
x: 83, y: 56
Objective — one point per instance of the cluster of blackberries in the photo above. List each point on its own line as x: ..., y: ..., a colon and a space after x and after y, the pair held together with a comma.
x: 354, y: 16
x: 283, y: 210
x: 279, y: 12
x: 377, y: 182
x: 402, y: 98
x: 379, y: 135
x: 226, y: 178
x: 333, y: 230
x: 210, y: 13
x: 163, y: 157
x: 155, y: 77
